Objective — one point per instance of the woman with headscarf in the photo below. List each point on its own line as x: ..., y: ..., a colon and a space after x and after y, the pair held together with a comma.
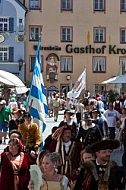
x: 15, y: 166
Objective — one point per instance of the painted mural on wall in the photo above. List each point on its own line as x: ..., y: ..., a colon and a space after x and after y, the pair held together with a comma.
x: 51, y: 68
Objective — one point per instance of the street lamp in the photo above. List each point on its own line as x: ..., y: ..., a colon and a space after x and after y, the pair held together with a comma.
x: 20, y: 62
x: 68, y: 77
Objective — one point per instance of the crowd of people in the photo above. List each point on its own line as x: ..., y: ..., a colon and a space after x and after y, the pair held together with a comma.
x: 76, y: 155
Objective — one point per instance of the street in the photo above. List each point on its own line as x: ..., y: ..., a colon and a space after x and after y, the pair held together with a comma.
x: 116, y: 155
x: 50, y: 124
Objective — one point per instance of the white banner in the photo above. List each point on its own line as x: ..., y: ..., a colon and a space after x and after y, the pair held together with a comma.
x: 79, y: 85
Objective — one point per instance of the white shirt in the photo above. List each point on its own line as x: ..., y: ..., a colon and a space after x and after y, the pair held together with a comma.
x: 111, y: 117
x: 67, y: 145
x: 101, y: 169
x: 123, y: 123
x: 125, y: 103
x: 100, y: 106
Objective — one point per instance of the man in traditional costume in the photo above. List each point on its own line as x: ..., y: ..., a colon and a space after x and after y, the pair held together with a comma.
x: 69, y: 150
x: 31, y: 137
x: 96, y: 174
x: 89, y: 131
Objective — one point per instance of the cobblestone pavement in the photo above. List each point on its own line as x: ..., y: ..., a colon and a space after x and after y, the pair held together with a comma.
x: 116, y: 155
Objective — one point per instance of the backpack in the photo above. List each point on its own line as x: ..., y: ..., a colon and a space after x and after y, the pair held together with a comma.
x: 117, y: 107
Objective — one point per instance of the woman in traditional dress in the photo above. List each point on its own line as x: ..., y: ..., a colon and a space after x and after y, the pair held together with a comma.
x: 51, y: 179
x: 15, y: 166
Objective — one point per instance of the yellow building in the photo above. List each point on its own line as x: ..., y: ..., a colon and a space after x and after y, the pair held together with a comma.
x: 76, y: 34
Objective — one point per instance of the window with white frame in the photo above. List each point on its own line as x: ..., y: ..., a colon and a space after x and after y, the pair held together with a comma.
x: 99, y: 5
x: 4, y: 54
x: 21, y: 25
x: 122, y: 65
x: 34, y: 4
x: 99, y: 34
x: 35, y: 32
x: 123, y: 35
x: 66, y: 34
x: 66, y: 64
x: 123, y: 5
x: 4, y: 24
x: 66, y: 4
x: 99, y: 64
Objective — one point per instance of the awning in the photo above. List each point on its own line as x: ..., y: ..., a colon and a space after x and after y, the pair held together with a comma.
x: 13, y: 81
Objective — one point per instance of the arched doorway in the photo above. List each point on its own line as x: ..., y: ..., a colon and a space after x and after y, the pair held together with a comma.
x: 51, y: 89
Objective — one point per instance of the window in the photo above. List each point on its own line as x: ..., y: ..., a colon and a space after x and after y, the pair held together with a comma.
x: 20, y: 25
x: 123, y: 5
x: 35, y: 32
x: 66, y: 64
x: 34, y: 4
x: 99, y: 88
x: 123, y: 35
x: 99, y: 35
x: 4, y: 24
x: 65, y: 88
x: 66, y: 34
x: 122, y: 65
x: 4, y: 54
x: 99, y: 64
x: 66, y: 5
x: 32, y: 63
x: 99, y: 5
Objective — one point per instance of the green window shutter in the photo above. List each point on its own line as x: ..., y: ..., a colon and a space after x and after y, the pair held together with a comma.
x: 11, y: 24
x: 11, y: 54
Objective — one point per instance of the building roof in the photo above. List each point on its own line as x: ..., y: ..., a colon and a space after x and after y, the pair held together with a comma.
x: 21, y: 4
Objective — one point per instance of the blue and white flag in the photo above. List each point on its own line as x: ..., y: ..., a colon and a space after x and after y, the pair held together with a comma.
x: 79, y: 85
x: 37, y: 101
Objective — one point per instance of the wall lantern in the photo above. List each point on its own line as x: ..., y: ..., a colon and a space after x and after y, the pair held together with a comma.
x: 20, y: 62
x: 68, y: 77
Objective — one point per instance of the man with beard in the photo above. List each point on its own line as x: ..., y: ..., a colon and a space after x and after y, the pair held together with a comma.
x: 69, y: 150
x: 97, y: 174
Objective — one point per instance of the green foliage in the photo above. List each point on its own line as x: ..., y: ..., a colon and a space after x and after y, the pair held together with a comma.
x: 112, y: 95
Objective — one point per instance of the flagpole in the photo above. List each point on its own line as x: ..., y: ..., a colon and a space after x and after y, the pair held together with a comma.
x: 79, y: 85
x: 37, y: 100
x: 38, y: 49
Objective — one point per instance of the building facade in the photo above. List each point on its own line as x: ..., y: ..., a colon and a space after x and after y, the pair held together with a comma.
x: 76, y: 34
x: 12, y: 38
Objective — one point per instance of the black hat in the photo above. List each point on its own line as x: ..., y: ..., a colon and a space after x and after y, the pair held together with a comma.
x: 68, y: 127
x: 87, y: 116
x: 71, y: 112
x: 95, y: 110
x: 27, y: 114
x: 103, y: 145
